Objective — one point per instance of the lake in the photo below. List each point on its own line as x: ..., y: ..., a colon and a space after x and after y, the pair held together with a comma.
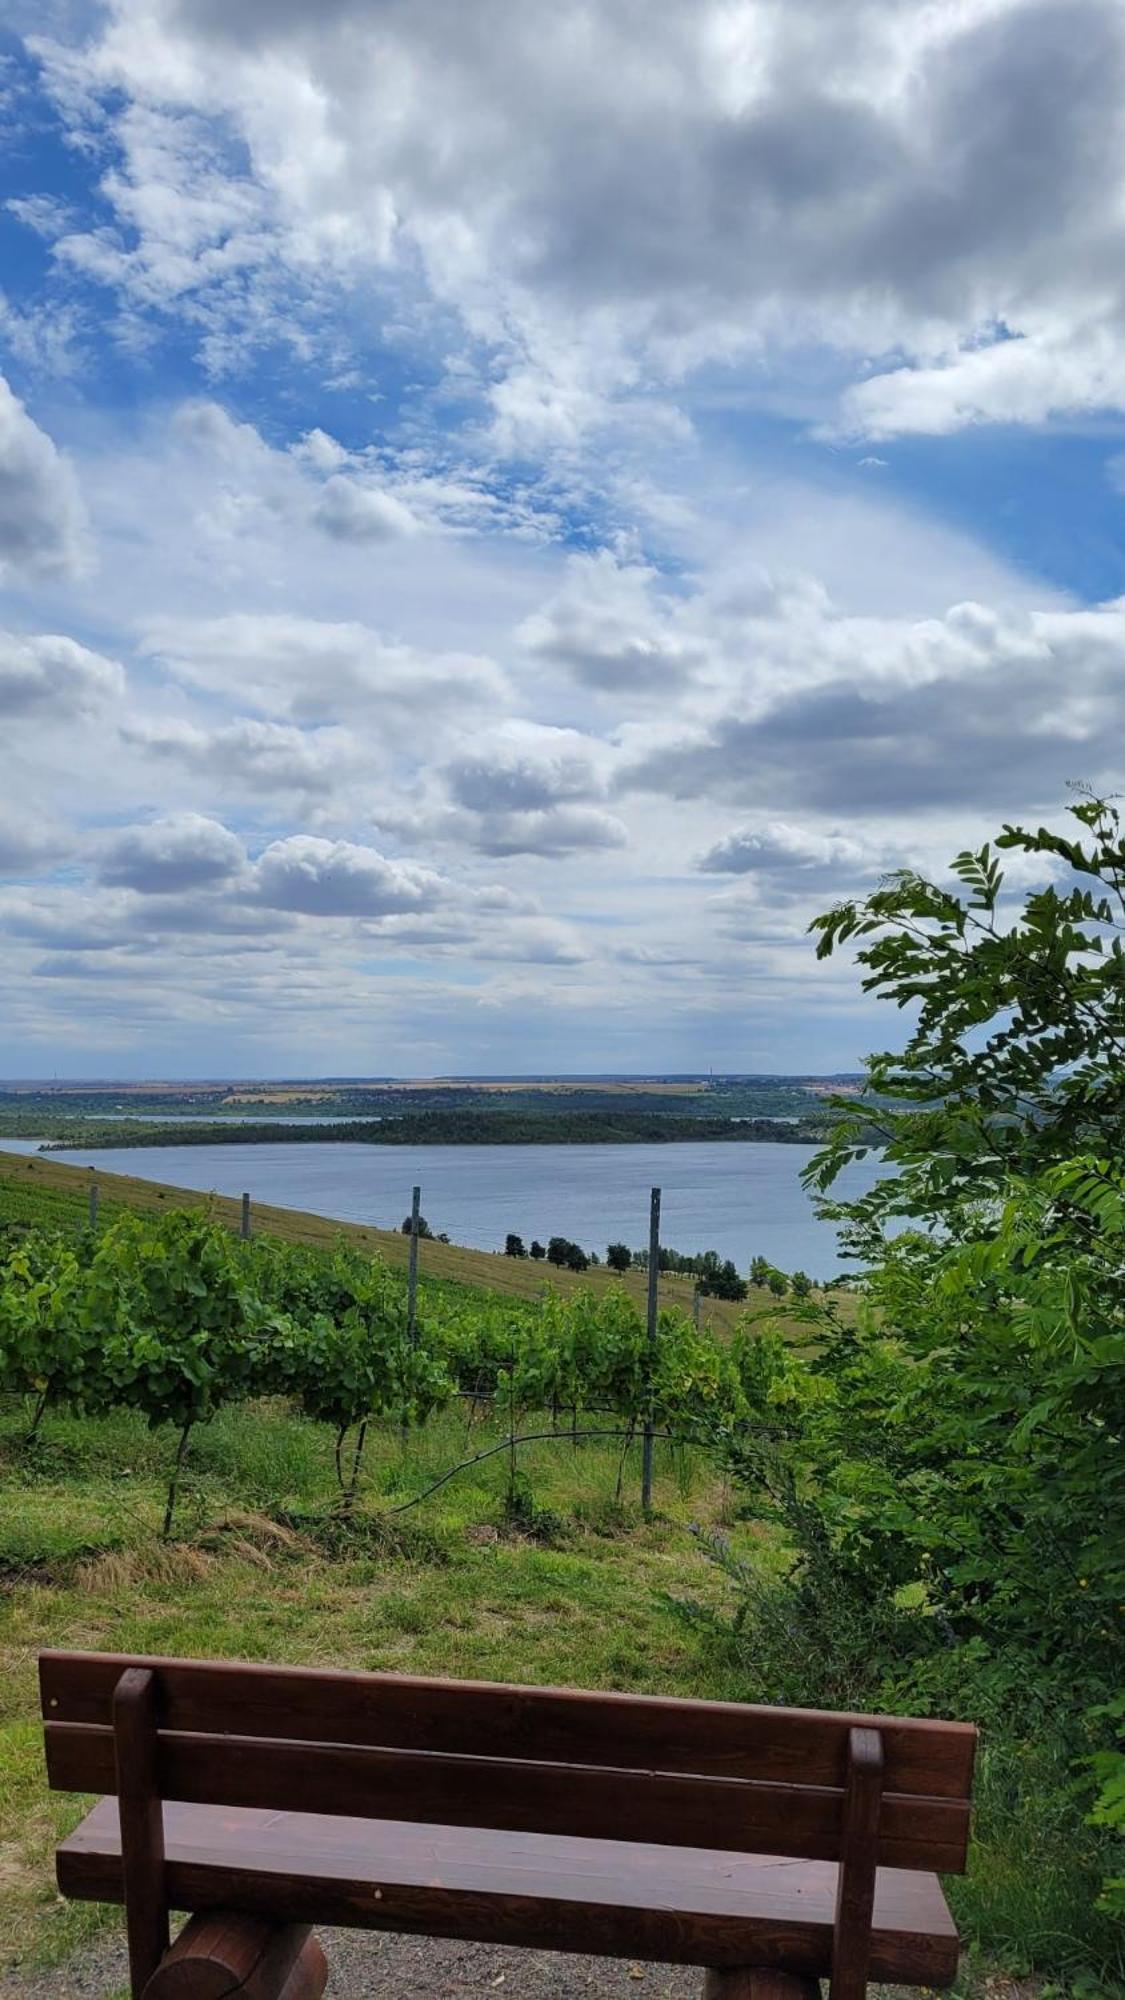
x: 742, y: 1199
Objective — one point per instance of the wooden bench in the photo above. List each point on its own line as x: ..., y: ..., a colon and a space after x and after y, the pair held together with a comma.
x: 756, y: 1842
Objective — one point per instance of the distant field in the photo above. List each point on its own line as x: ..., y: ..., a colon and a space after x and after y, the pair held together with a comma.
x: 626, y: 1087
x: 37, y: 1108
x: 38, y: 1189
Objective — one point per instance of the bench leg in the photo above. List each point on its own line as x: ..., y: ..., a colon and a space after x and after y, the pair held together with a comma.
x: 224, y: 1956
x: 749, y: 1982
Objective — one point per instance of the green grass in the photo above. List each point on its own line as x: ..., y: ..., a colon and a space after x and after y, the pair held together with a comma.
x: 262, y: 1569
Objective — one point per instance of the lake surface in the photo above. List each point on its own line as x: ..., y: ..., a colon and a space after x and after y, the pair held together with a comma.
x: 740, y: 1198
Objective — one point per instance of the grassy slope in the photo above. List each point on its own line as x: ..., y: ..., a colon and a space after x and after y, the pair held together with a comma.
x: 36, y: 1188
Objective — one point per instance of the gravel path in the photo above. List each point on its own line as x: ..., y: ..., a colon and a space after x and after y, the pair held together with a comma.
x: 369, y: 1963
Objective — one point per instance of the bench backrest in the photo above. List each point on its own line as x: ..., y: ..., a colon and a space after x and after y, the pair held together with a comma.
x: 865, y: 1790
x: 536, y: 1760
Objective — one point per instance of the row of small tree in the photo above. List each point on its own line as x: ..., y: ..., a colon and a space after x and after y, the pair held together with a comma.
x: 715, y: 1276
x: 559, y: 1251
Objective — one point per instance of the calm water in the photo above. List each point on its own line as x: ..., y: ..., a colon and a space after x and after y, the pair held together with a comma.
x: 743, y: 1200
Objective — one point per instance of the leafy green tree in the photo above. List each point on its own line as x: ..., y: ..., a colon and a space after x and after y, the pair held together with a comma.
x: 618, y: 1256
x: 423, y: 1227
x: 760, y: 1272
x: 537, y: 1251
x: 963, y: 1437
x: 722, y: 1281
x: 1017, y: 1056
x: 778, y: 1284
x: 514, y: 1246
x: 800, y: 1284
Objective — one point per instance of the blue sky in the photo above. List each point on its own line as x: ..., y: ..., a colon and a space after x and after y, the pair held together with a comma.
x: 504, y: 514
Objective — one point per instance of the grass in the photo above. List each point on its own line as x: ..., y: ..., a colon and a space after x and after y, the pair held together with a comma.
x: 262, y: 1568
x: 36, y: 1188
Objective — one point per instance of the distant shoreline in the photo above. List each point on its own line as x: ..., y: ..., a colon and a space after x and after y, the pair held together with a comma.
x: 459, y: 1129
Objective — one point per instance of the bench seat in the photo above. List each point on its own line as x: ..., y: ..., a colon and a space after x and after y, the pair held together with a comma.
x: 668, y: 1904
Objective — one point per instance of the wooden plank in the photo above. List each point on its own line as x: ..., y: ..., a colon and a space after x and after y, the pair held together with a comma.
x: 631, y: 1899
x: 523, y: 1795
x: 751, y: 1982
x: 855, y: 1894
x: 226, y: 1955
x: 717, y: 1739
x: 133, y: 1747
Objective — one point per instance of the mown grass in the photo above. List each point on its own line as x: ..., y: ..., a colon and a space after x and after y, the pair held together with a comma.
x: 263, y: 1567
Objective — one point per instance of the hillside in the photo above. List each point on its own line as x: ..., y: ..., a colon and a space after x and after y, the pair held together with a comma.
x: 41, y: 1190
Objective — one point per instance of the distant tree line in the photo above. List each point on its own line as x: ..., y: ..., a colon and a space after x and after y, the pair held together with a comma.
x: 431, y: 1128
x: 560, y: 1251
x: 716, y: 1277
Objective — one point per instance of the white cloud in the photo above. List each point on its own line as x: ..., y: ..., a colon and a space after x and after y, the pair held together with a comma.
x: 612, y: 629
x: 42, y: 519
x: 262, y: 756
x: 314, y: 670
x: 779, y: 849
x: 1056, y: 373
x: 185, y: 852
x: 740, y: 178
x: 526, y: 767
x: 556, y: 830
x: 899, y: 716
x: 50, y: 673
x: 498, y: 284
x: 27, y: 846
x: 336, y: 878
x: 354, y: 511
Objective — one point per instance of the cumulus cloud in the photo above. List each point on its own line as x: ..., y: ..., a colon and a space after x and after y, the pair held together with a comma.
x: 27, y: 845
x: 884, y: 180
x: 42, y: 519
x: 779, y: 849
x: 739, y: 222
x: 895, y: 715
x: 353, y: 511
x: 50, y: 673
x: 534, y: 941
x: 1043, y: 374
x: 314, y: 670
x: 526, y: 767
x: 336, y: 878
x: 558, y: 830
x: 186, y: 851
x: 612, y: 629
x: 262, y: 756
x: 521, y: 787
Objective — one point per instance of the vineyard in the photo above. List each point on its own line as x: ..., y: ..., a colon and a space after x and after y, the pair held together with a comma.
x: 173, y: 1318
x: 42, y: 1190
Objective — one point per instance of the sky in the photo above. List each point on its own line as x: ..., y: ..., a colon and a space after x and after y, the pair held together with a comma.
x: 507, y: 511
